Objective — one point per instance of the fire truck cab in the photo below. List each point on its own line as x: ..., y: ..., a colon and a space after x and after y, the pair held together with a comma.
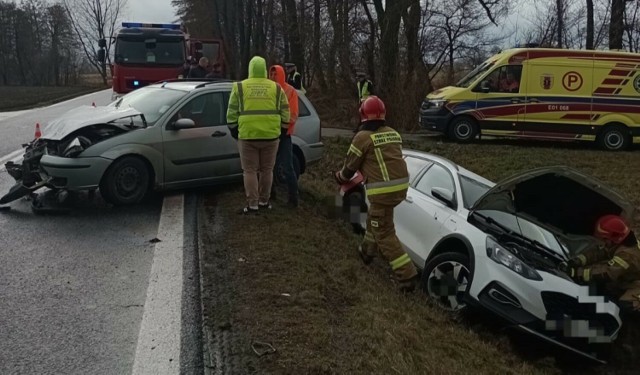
x: 147, y: 53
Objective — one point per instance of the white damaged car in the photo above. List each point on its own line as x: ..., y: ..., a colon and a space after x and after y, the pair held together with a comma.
x: 500, y: 246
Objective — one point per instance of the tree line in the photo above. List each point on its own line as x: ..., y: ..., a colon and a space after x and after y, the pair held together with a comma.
x: 53, y: 42
x: 36, y: 44
x: 406, y: 46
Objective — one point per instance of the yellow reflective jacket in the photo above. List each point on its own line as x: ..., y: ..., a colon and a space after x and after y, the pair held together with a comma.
x: 258, y: 105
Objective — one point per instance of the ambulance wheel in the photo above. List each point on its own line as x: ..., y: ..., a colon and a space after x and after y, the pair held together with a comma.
x: 614, y: 138
x: 463, y: 129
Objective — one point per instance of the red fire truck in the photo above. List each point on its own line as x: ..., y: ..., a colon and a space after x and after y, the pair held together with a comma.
x: 145, y: 53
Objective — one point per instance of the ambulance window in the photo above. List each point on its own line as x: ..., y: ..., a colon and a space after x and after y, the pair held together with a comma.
x: 504, y: 79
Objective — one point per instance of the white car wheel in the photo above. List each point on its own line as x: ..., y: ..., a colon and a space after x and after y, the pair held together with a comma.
x: 446, y: 279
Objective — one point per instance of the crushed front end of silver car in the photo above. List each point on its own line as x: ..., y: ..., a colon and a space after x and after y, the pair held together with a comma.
x: 67, y: 136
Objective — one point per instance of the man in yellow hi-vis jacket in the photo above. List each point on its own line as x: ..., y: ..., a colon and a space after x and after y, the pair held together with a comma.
x: 376, y: 151
x: 258, y: 113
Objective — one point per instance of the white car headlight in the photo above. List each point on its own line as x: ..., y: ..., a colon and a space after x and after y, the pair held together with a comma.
x: 503, y: 256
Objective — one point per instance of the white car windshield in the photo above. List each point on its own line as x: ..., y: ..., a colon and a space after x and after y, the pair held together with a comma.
x: 153, y: 102
x: 526, y: 229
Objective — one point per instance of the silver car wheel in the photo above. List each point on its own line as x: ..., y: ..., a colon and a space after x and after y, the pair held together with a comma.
x: 447, y: 284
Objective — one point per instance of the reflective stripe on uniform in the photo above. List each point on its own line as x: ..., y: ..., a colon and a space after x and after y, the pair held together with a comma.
x: 385, y: 184
x: 386, y: 138
x: 240, y: 97
x: 400, y: 261
x: 623, y: 263
x: 355, y: 150
x: 385, y: 190
x: 586, y: 274
x: 582, y: 258
x: 381, y: 163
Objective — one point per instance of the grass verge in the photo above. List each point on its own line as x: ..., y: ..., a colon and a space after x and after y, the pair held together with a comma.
x: 14, y: 98
x: 293, y: 279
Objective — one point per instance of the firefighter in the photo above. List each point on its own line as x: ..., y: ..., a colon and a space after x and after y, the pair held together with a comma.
x: 614, y: 265
x: 376, y: 151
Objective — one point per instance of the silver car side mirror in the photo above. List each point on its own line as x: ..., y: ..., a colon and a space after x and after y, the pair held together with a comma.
x: 184, y: 123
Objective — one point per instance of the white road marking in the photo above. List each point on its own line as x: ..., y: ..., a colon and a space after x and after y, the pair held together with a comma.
x: 14, y: 156
x: 158, y: 349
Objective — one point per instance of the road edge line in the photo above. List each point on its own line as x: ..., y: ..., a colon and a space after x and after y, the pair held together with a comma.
x: 159, y: 339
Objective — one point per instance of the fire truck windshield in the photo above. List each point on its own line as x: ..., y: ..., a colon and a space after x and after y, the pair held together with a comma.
x: 150, y: 51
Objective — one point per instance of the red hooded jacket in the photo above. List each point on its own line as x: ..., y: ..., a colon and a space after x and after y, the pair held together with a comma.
x: 276, y: 73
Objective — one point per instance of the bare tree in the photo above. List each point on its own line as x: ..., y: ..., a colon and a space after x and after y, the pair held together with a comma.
x: 93, y: 20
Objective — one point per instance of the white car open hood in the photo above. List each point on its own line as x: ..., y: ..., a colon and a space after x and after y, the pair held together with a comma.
x: 84, y: 116
x: 559, y: 199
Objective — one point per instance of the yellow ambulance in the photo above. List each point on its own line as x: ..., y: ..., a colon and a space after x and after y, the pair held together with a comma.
x: 543, y: 93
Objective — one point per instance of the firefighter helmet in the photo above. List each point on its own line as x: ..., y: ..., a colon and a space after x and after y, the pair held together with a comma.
x: 372, y: 108
x: 613, y: 228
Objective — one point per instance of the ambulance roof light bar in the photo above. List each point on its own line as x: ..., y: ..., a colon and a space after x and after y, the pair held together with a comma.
x: 170, y: 26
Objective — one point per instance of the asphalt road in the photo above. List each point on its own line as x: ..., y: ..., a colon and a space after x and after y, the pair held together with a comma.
x: 73, y: 288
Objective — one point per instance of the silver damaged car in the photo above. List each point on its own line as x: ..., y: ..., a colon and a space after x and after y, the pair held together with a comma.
x: 168, y: 135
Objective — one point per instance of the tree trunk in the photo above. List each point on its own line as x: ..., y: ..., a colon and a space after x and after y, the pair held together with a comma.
x: 616, y: 25
x: 589, y: 24
x: 371, y: 47
x: 317, y: 58
x: 560, y: 17
x: 389, y: 47
x: 297, y: 53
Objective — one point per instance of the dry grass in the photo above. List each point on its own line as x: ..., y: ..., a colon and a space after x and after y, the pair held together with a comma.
x: 13, y: 98
x: 341, y: 317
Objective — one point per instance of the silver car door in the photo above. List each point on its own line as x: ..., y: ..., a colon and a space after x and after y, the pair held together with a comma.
x: 205, y: 152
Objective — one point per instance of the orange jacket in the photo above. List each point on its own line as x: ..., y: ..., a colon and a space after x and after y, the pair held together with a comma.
x: 277, y: 74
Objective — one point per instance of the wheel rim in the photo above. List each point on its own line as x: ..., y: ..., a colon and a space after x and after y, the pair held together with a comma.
x: 463, y: 130
x: 447, y: 284
x: 128, y: 181
x: 614, y: 140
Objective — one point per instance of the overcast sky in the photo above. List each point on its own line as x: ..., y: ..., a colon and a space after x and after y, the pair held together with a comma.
x: 158, y: 11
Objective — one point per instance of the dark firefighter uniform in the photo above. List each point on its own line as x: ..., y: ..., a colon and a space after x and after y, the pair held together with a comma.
x: 617, y: 269
x: 377, y: 154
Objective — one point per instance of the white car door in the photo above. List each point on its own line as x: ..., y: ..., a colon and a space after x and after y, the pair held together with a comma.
x: 421, y: 216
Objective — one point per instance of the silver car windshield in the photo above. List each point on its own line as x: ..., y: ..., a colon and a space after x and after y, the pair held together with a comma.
x: 153, y: 102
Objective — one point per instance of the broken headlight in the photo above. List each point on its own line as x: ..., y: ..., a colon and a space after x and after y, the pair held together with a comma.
x: 76, y: 146
x: 501, y: 255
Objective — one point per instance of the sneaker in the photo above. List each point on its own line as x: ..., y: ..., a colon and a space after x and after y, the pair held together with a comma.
x: 248, y: 211
x: 366, y: 259
x: 264, y: 206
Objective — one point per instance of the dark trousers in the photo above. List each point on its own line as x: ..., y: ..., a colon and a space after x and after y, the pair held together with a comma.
x: 284, y: 160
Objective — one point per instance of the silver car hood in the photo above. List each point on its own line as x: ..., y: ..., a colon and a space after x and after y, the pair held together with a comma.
x: 559, y: 199
x: 84, y: 116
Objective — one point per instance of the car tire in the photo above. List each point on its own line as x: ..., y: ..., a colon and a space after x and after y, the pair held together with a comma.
x: 279, y: 171
x: 441, y: 272
x: 614, y: 138
x: 463, y: 129
x: 126, y: 182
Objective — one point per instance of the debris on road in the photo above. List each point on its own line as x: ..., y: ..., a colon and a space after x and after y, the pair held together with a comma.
x: 262, y: 348
x: 5, y: 208
x: 155, y: 240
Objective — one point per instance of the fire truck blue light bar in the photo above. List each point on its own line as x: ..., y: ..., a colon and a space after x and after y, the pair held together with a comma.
x: 171, y: 26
